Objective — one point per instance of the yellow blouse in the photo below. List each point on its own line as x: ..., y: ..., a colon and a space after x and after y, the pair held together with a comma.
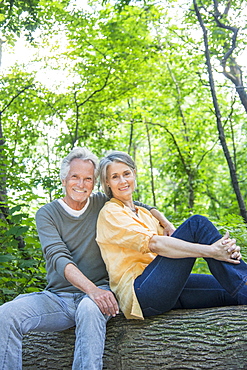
x: 123, y: 238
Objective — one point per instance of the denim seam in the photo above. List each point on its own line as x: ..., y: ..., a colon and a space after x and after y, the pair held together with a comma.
x: 6, y: 352
x: 239, y: 287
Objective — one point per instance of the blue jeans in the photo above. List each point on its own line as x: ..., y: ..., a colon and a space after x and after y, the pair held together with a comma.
x: 47, y: 312
x: 168, y: 283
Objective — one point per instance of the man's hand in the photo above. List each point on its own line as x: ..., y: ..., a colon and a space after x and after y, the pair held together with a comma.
x: 169, y: 229
x: 105, y: 300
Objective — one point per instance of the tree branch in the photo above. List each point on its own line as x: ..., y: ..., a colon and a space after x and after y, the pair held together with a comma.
x: 14, y: 97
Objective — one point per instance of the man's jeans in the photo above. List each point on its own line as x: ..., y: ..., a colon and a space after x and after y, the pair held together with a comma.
x: 167, y: 283
x: 47, y: 312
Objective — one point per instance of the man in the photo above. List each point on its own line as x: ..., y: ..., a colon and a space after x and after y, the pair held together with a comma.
x: 77, y: 293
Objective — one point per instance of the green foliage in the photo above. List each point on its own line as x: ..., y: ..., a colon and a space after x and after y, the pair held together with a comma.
x: 19, y: 16
x: 21, y: 262
x: 16, y: 15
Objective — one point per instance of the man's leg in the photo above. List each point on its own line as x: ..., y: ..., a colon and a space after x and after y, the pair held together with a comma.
x: 41, y: 311
x: 90, y: 336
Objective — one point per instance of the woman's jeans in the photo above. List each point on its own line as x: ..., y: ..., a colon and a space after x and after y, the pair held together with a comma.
x: 47, y: 312
x: 167, y: 283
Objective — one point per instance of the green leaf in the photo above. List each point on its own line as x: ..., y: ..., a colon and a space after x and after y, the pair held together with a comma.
x: 17, y: 230
x: 6, y: 258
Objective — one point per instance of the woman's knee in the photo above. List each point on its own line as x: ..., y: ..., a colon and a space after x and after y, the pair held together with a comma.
x: 202, y: 230
x: 198, y: 218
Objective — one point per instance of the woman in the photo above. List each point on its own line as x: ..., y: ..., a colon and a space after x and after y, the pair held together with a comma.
x: 151, y: 273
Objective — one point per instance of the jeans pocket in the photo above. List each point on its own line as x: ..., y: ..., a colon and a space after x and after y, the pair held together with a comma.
x: 23, y: 295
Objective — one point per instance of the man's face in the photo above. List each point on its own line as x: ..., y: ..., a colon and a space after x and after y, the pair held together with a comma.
x: 79, y: 183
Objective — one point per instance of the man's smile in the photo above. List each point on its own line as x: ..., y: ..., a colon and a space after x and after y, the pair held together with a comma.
x: 80, y: 191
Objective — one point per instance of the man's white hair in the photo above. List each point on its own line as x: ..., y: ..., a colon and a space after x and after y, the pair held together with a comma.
x: 81, y: 153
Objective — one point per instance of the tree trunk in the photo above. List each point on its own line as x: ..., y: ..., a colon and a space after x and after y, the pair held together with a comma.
x: 220, y: 126
x: 182, y: 339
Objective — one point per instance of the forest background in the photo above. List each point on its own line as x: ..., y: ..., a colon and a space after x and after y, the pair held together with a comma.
x: 164, y: 81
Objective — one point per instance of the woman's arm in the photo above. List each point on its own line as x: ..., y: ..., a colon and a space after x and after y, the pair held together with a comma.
x: 224, y: 249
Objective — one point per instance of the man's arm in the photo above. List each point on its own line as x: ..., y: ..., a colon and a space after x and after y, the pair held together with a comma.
x: 59, y: 258
x: 169, y: 228
x: 104, y: 299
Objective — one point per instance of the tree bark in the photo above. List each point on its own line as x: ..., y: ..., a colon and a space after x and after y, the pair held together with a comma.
x: 182, y: 339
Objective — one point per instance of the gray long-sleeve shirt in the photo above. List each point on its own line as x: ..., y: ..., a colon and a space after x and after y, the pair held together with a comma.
x: 68, y: 239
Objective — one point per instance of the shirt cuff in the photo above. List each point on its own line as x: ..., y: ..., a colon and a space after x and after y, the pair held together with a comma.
x: 61, y: 263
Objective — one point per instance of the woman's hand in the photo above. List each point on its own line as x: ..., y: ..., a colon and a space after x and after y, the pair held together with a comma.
x: 233, y: 250
x: 225, y: 249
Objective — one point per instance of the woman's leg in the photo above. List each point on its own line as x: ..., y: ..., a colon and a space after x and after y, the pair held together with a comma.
x: 202, y: 291
x: 231, y: 277
x: 197, y: 229
x: 162, y: 282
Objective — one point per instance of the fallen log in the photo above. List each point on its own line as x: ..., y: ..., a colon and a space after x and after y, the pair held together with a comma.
x: 180, y: 339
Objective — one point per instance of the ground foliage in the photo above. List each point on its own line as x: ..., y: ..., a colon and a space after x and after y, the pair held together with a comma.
x: 126, y: 75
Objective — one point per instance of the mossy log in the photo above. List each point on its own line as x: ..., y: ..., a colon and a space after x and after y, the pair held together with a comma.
x: 214, y: 338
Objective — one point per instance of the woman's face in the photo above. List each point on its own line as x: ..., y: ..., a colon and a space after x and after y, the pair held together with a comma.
x: 121, y: 179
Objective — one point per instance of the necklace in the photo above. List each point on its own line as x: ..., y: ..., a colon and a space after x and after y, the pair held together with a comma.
x: 135, y: 210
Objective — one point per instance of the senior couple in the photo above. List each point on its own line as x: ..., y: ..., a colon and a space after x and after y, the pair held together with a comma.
x: 143, y: 264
